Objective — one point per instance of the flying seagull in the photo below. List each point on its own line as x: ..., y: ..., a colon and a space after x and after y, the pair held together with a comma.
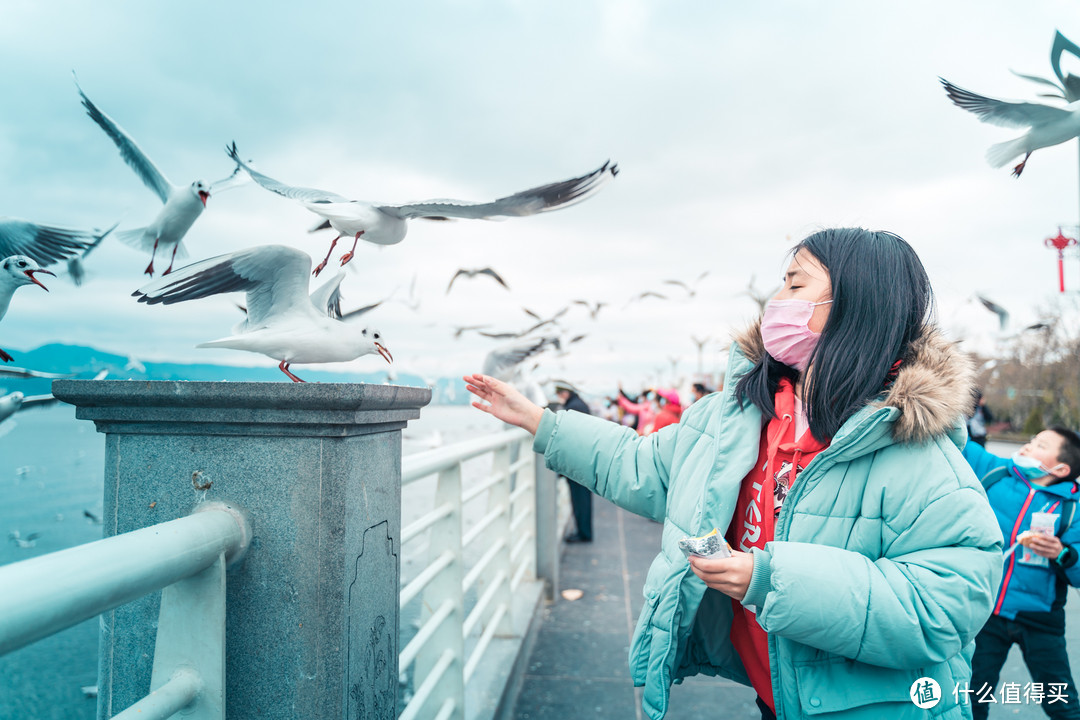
x: 507, y: 363
x: 24, y: 373
x: 1002, y: 313
x: 76, y: 269
x: 473, y: 273
x: 593, y: 308
x: 644, y: 295
x: 283, y: 322
x: 16, y: 271
x: 690, y: 288
x: 387, y: 224
x: 16, y: 401
x: 183, y: 204
x: 1047, y: 124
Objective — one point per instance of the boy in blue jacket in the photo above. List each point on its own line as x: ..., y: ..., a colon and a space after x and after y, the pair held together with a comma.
x: 1030, y: 606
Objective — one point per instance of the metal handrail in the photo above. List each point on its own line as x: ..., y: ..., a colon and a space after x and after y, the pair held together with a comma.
x: 62, y: 589
x: 494, y: 553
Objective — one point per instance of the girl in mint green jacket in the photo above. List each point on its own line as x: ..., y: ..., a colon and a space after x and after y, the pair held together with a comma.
x: 865, y: 556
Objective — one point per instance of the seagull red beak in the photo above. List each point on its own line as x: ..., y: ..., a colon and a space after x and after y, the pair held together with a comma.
x: 385, y: 353
x: 204, y: 196
x: 30, y: 274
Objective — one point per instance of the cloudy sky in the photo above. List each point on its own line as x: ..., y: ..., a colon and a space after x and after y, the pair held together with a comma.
x: 738, y: 129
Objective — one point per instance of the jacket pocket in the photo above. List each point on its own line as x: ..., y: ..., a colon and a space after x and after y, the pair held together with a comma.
x: 837, y: 684
x: 642, y: 642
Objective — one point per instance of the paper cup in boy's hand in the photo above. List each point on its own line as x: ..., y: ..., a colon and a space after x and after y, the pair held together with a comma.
x: 706, y: 546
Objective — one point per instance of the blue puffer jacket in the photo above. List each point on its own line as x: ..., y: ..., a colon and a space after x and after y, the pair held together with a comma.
x: 886, y: 553
x: 1027, y: 588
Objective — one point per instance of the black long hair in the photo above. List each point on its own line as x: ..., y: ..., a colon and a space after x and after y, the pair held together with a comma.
x: 881, y: 302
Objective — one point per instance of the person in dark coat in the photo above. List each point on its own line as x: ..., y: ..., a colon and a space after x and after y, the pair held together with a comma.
x: 580, y: 497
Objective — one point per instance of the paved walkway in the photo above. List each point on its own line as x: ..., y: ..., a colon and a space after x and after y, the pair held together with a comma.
x: 578, y: 667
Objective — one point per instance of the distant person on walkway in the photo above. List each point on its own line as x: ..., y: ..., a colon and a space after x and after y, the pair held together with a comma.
x: 700, y: 391
x: 1038, y: 482
x: 865, y: 555
x: 979, y: 421
x: 580, y: 497
x: 644, y: 409
x: 670, y: 409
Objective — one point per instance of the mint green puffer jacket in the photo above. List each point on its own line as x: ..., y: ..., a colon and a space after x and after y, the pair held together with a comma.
x: 884, y: 565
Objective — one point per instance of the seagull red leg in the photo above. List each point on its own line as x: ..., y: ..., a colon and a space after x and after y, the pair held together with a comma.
x: 4, y: 356
x: 150, y: 268
x: 284, y: 367
x: 349, y: 255
x: 1020, y: 168
x: 319, y: 268
x: 172, y: 259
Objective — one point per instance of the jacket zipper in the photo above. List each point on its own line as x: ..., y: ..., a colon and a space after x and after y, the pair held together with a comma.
x: 1012, y: 558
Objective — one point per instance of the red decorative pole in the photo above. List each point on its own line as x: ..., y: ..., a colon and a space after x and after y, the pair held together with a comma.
x: 1060, y: 243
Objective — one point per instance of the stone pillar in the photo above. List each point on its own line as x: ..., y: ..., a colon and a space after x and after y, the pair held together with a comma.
x: 312, y: 608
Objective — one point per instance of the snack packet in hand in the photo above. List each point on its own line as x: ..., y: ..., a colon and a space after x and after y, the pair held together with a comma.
x: 706, y: 546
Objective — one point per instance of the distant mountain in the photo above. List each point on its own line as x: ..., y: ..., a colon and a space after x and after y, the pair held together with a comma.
x: 86, y: 362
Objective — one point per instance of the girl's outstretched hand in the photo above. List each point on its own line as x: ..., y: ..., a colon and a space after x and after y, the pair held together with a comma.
x: 504, y: 402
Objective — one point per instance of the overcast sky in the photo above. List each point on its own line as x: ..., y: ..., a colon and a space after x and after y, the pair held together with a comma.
x: 738, y: 128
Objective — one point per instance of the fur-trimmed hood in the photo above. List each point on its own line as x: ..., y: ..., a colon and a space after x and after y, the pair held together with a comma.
x: 933, y: 389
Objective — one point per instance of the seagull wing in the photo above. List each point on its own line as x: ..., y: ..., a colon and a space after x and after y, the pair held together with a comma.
x: 302, y: 194
x: 135, y: 158
x: 495, y: 275
x: 24, y: 373
x: 41, y: 243
x: 528, y: 202
x: 458, y: 274
x: 327, y: 298
x: 235, y: 179
x: 353, y: 314
x: 275, y: 278
x: 38, y: 401
x: 1003, y: 112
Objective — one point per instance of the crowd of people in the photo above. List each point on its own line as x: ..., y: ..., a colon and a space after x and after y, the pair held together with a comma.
x: 881, y: 562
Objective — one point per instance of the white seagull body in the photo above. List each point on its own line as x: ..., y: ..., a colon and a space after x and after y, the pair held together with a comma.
x: 1047, y: 124
x: 16, y: 401
x: 183, y: 204
x: 16, y: 271
x: 386, y: 224
x: 283, y: 321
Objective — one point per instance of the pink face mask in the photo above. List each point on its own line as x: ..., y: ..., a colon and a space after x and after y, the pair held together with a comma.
x: 785, y: 333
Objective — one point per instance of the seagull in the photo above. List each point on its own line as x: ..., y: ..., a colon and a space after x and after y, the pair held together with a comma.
x: 75, y: 268
x: 500, y: 335
x: 16, y: 271
x: 691, y: 289
x: 1068, y: 87
x: 761, y: 299
x: 386, y: 224
x: 283, y: 322
x: 541, y: 321
x: 646, y: 294
x: 24, y: 373
x: 23, y: 542
x: 474, y: 273
x: 1047, y: 125
x: 183, y: 204
x: 506, y: 363
x: 593, y: 308
x: 44, y: 244
x: 459, y: 330
x: 16, y: 401
x: 1002, y: 313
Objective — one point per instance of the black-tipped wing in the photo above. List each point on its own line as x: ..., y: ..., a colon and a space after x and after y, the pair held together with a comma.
x: 275, y: 278
x: 1002, y: 112
x: 135, y: 158
x: 24, y: 373
x: 302, y: 194
x: 528, y: 202
x: 502, y: 360
x: 42, y: 243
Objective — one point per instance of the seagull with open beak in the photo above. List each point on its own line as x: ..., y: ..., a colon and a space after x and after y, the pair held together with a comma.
x: 16, y: 271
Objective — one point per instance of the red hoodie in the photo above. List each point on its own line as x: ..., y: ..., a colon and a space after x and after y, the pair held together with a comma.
x: 762, y: 493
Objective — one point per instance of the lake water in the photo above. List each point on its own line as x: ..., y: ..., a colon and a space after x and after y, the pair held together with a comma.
x: 51, y: 484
